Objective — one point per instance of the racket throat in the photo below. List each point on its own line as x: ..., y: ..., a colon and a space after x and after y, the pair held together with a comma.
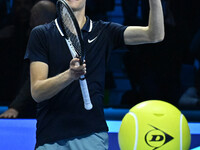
x: 72, y: 50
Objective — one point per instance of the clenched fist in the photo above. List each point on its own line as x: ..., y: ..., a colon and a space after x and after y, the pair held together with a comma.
x: 76, y: 70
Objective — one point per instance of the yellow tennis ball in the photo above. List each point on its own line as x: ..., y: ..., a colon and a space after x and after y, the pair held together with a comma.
x: 154, y: 125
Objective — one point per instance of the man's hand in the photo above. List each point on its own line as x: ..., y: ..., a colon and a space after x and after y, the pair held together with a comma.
x: 44, y: 88
x: 10, y: 113
x: 76, y: 70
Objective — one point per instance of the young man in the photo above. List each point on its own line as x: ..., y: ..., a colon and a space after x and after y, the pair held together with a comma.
x: 62, y: 121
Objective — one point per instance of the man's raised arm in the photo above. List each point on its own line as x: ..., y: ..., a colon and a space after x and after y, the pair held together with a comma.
x: 152, y: 33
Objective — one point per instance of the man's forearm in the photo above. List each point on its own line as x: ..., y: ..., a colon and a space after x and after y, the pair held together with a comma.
x: 45, y: 89
x: 156, y: 21
x: 22, y: 97
x: 152, y: 33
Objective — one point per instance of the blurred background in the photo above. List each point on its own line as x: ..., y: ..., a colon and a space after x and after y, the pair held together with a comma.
x: 168, y: 70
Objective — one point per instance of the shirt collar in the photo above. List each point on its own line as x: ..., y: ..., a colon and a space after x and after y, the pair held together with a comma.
x: 88, y: 25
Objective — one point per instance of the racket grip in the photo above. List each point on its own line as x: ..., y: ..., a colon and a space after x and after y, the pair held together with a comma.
x: 85, y: 93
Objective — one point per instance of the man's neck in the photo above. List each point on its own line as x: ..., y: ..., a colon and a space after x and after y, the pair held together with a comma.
x: 80, y: 16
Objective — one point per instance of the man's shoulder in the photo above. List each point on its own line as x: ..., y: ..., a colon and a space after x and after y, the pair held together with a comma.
x: 107, y: 25
x: 100, y: 23
x: 44, y: 27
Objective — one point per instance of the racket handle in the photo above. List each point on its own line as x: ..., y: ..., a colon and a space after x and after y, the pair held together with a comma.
x: 85, y: 93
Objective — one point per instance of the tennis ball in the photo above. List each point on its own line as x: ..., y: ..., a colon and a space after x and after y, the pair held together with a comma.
x: 154, y: 125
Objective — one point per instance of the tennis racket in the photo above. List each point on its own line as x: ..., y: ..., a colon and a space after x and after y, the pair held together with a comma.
x: 74, y: 40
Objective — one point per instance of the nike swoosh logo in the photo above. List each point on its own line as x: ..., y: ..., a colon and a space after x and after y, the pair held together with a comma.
x: 90, y: 41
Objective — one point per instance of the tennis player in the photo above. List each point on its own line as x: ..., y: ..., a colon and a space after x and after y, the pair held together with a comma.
x: 62, y: 121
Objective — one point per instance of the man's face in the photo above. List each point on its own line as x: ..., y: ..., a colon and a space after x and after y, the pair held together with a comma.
x: 76, y: 5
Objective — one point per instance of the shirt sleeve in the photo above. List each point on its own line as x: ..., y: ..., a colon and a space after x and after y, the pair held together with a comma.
x: 37, y: 48
x: 116, y: 34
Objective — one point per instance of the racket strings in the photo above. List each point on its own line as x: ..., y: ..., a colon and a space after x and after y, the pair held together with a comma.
x: 70, y: 29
